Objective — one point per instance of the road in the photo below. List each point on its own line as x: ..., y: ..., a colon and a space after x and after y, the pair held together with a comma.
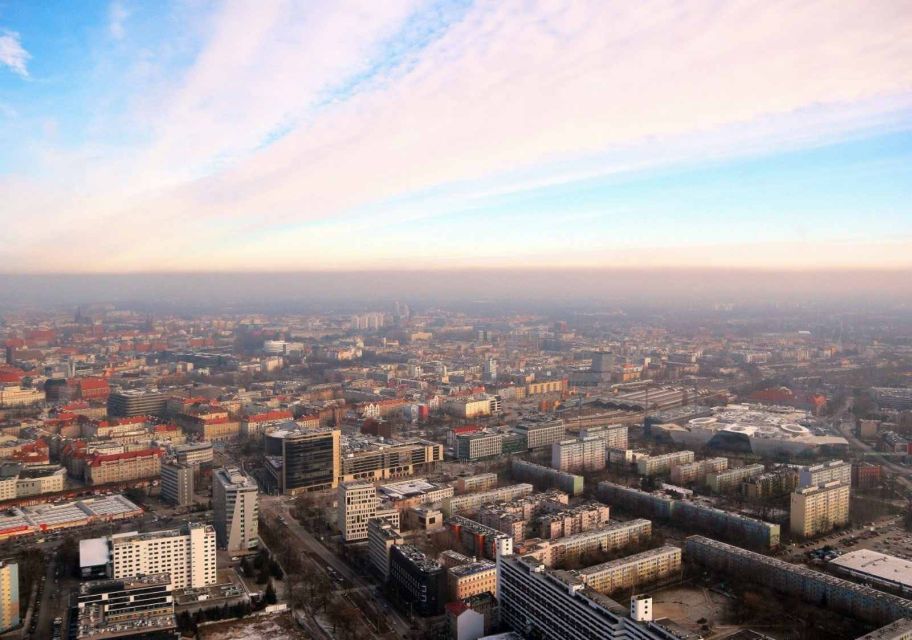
x: 279, y: 506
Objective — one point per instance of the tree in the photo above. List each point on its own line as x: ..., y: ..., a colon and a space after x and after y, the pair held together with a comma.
x: 270, y: 595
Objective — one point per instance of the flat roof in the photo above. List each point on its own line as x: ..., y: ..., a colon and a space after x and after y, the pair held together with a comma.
x: 93, y: 552
x: 877, y: 565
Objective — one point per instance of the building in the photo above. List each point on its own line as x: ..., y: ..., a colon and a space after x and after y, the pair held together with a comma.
x: 872, y: 567
x: 866, y: 475
x: 819, y: 509
x: 382, y: 536
x: 730, y: 480
x: 187, y: 554
x: 303, y: 460
x: 136, y: 607
x: 817, y: 474
x: 697, y: 471
x: 20, y: 481
x: 580, y: 454
x: 123, y: 467
x: 798, y: 581
x: 476, y: 538
x: 357, y: 505
x: 568, y: 522
x: 557, y: 605
x: 478, y: 446
x: 469, y: 408
x: 546, y: 476
x: 472, y: 501
x: 633, y: 571
x: 49, y: 517
x: 470, y: 579
x: 383, y: 461
x: 9, y: 594
x: 615, y: 436
x: 194, y: 454
x: 235, y: 509
x: 135, y: 402
x: 17, y: 396
x: 414, y: 492
x: 541, y: 431
x: 777, y: 482
x: 478, y: 482
x: 419, y: 582
x: 615, y: 535
x: 695, y: 516
x: 662, y: 464
x: 177, y: 484
x: 897, y: 630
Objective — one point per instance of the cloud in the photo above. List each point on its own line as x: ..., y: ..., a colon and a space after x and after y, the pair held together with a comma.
x: 297, y: 118
x: 12, y: 54
x: 117, y: 17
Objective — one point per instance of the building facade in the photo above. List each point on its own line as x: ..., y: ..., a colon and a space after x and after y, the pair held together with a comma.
x: 235, y: 507
x: 177, y: 484
x: 819, y: 509
x: 187, y: 554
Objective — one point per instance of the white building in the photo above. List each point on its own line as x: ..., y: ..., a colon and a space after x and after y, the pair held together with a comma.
x: 188, y: 554
x: 235, y: 510
x: 817, y: 474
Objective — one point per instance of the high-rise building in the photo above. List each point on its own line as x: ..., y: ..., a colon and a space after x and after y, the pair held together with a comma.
x: 9, y: 594
x: 235, y: 510
x: 730, y: 479
x: 541, y: 431
x: 580, y: 454
x: 817, y: 474
x: 819, y: 509
x: 187, y: 554
x: 661, y: 464
x: 177, y: 484
x: 303, y: 460
x: 358, y: 504
x: 381, y: 537
x: 419, y: 581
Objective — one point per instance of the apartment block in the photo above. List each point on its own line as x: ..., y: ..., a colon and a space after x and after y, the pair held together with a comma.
x: 817, y: 474
x: 123, y: 467
x: 798, y: 581
x: 730, y: 480
x: 9, y: 594
x: 541, y: 432
x: 697, y: 471
x: 568, y: 522
x: 187, y: 554
x: 478, y: 482
x: 633, y: 571
x: 580, y: 454
x: 472, y: 501
x: 542, y: 475
x: 616, y: 535
x: 662, y: 464
x: 777, y: 482
x: 235, y: 507
x: 475, y: 537
x: 615, y: 436
x: 819, y: 509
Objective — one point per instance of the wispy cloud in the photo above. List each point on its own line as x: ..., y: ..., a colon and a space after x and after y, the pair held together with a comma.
x: 295, y: 118
x: 12, y: 54
x: 117, y: 18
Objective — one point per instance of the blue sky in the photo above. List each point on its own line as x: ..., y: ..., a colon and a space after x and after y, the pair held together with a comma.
x: 409, y: 134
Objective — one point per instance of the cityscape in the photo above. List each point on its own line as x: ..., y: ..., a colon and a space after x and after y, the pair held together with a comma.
x: 455, y: 320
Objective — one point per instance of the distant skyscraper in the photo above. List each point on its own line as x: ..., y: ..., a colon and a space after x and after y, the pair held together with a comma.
x: 490, y: 370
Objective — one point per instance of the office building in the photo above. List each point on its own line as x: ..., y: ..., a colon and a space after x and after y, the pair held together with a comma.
x: 817, y: 474
x: 730, y: 480
x: 546, y: 476
x: 177, y: 484
x: 419, y: 582
x: 377, y: 460
x: 135, y: 607
x: 187, y: 554
x: 580, y: 454
x: 382, y: 536
x: 235, y: 508
x: 819, y: 509
x: 662, y: 464
x: 303, y: 460
x: 357, y: 505
x: 405, y: 494
x: 478, y: 446
x: 897, y: 630
x: 799, y: 581
x: 629, y: 572
x: 541, y: 431
x: 194, y: 454
x: 135, y: 402
x: 9, y: 594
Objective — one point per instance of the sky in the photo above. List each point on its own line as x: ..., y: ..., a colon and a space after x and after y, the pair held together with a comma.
x: 431, y: 135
